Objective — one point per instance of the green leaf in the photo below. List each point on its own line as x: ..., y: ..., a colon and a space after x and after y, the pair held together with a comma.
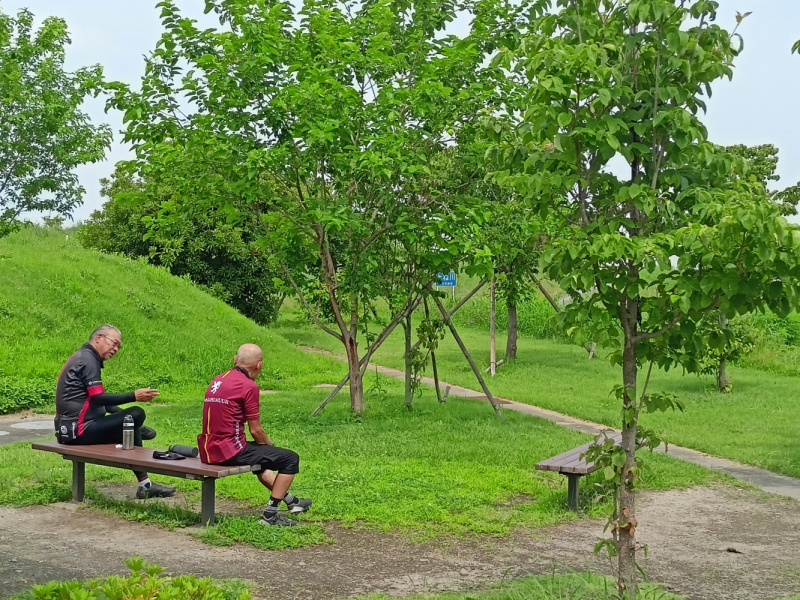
x: 564, y: 118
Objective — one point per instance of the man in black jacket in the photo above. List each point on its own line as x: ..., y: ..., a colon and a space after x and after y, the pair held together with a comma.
x: 82, y: 403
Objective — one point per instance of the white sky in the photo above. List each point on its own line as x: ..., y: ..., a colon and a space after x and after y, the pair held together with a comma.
x: 761, y: 104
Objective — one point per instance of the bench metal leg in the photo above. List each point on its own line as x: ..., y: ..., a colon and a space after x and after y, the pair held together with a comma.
x: 208, y: 499
x: 572, y: 490
x: 78, y: 480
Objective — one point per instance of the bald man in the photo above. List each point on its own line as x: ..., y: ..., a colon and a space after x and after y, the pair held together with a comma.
x: 232, y: 400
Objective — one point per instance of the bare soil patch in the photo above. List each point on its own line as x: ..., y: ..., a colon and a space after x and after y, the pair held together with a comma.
x: 688, y: 533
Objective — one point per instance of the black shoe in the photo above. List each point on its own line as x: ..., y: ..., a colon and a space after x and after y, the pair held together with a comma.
x: 154, y: 490
x: 300, y: 505
x: 276, y: 520
x: 148, y: 433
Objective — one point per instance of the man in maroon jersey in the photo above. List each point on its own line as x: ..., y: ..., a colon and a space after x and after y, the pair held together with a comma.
x: 232, y: 400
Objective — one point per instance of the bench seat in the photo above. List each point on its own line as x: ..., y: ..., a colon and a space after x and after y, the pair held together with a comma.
x: 141, y: 459
x: 571, y: 464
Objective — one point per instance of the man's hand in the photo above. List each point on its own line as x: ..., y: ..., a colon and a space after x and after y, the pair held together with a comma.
x: 145, y: 394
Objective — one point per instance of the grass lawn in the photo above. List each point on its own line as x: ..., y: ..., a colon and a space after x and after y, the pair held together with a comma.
x: 576, y: 586
x: 435, y: 470
x: 758, y: 423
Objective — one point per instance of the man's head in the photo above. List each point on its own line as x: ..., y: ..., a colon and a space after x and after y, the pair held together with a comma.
x: 251, y: 359
x: 107, y: 340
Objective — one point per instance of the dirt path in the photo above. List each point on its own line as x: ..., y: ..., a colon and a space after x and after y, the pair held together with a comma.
x: 688, y: 533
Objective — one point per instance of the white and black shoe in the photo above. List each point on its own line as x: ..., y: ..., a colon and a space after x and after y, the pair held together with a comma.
x: 276, y: 520
x: 154, y: 490
x: 300, y: 505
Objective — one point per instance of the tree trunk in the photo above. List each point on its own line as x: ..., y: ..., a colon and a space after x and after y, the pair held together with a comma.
x: 722, y: 376
x: 511, y: 344
x: 356, y: 381
x: 626, y: 529
x: 407, y: 332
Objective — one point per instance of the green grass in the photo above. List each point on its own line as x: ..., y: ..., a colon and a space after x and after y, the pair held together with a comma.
x: 174, y: 336
x: 432, y: 471
x: 574, y: 586
x: 758, y: 423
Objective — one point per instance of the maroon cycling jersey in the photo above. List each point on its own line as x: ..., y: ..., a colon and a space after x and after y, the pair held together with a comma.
x: 78, y: 382
x: 231, y: 400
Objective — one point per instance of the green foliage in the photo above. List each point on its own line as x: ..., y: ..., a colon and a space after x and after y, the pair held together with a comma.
x: 335, y: 126
x: 222, y: 258
x: 572, y: 586
x: 644, y: 254
x: 144, y: 583
x: 731, y: 340
x: 17, y: 394
x: 535, y: 317
x: 44, y: 135
x: 762, y: 164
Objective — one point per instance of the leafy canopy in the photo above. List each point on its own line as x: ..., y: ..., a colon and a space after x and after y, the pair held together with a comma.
x: 43, y: 133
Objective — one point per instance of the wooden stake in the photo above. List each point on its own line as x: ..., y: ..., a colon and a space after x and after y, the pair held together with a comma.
x: 433, y: 362
x: 382, y: 338
x: 492, y: 344
x: 466, y: 353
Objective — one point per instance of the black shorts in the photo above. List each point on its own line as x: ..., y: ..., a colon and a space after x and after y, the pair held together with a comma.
x: 271, y: 458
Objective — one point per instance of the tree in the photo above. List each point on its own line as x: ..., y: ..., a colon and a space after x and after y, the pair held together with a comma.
x: 647, y: 250
x: 516, y: 238
x: 323, y: 122
x: 43, y: 133
x: 735, y: 339
x: 222, y: 258
x: 761, y: 165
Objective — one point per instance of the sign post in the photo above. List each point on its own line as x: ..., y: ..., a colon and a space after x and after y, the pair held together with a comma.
x: 448, y: 280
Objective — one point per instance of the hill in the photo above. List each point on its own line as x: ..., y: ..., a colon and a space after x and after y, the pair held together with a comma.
x: 175, y: 337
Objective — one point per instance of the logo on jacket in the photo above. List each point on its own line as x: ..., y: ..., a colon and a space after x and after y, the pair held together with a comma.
x: 215, y: 386
x: 63, y: 430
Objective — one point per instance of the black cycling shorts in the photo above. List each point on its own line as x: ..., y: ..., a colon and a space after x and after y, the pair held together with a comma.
x: 271, y: 458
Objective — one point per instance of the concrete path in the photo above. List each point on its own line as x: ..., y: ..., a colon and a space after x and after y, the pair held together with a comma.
x: 760, y: 478
x: 26, y: 428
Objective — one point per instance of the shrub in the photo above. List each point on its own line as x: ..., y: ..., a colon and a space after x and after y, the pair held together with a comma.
x: 26, y: 394
x: 143, y: 583
x: 535, y: 317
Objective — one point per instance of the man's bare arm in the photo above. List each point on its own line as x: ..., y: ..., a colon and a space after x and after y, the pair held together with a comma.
x: 258, y: 433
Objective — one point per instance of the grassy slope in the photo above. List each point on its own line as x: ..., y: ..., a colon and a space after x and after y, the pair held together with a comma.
x: 435, y: 469
x: 758, y: 423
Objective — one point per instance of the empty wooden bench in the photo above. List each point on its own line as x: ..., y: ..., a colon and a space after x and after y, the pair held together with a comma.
x: 141, y: 459
x: 574, y: 467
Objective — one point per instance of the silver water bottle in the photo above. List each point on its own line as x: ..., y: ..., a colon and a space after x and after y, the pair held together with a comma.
x: 127, y: 433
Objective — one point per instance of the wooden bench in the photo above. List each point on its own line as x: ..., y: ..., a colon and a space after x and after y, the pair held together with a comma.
x: 574, y: 467
x: 141, y: 459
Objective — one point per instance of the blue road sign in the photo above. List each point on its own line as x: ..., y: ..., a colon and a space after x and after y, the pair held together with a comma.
x: 448, y: 280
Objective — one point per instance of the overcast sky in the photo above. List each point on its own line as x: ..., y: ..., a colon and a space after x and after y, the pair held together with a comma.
x: 759, y: 106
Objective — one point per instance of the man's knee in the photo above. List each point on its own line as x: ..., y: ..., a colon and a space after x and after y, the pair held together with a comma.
x: 138, y: 415
x: 290, y: 462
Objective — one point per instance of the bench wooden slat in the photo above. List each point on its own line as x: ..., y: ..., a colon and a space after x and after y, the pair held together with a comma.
x: 571, y: 461
x: 140, y: 458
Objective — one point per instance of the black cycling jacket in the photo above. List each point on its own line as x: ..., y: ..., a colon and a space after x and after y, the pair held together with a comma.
x: 80, y: 397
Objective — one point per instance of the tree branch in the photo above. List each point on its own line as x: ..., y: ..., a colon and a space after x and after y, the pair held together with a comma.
x: 319, y: 323
x: 660, y: 332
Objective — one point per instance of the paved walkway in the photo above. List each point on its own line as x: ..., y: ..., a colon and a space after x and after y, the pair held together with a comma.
x: 29, y: 428
x: 760, y: 478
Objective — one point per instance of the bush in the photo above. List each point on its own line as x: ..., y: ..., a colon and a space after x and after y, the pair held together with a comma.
x: 535, y: 317
x: 223, y: 259
x: 143, y: 583
x: 26, y: 394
